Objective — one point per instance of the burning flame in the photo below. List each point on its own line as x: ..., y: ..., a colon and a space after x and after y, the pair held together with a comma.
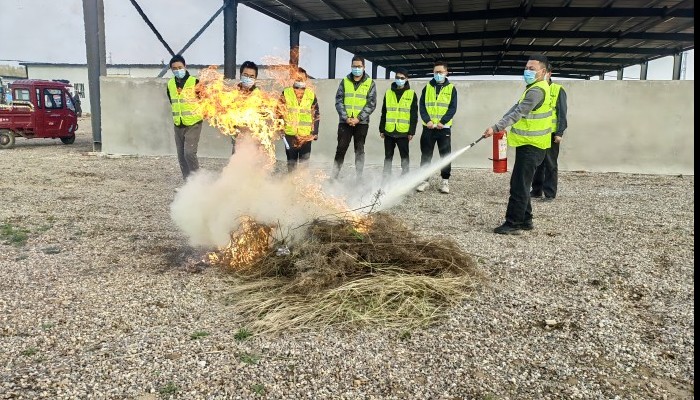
x: 248, y: 244
x: 239, y: 112
x: 257, y: 115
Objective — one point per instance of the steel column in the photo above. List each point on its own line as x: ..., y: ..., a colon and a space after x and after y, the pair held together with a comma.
x: 677, y: 63
x: 230, y: 32
x: 387, y: 73
x: 94, y: 17
x: 332, y: 50
x: 294, y: 33
x: 643, y: 72
x: 375, y: 66
x: 620, y: 74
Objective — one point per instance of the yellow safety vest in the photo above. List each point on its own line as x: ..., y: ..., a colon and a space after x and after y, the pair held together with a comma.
x: 437, y: 105
x: 398, y: 112
x: 554, y: 89
x: 183, y: 103
x: 534, y: 128
x: 298, y: 118
x: 355, y: 100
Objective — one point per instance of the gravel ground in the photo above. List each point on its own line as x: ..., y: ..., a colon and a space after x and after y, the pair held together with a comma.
x: 99, y: 303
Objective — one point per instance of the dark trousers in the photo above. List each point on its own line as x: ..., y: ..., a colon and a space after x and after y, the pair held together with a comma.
x: 357, y: 134
x: 428, y: 139
x: 527, y: 158
x: 389, y: 144
x: 547, y: 173
x: 296, y: 154
x: 186, y: 144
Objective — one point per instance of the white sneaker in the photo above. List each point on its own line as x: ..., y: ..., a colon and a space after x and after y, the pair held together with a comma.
x: 423, y: 185
x: 445, y: 187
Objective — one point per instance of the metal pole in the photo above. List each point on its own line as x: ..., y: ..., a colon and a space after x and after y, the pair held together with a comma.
x: 677, y: 62
x: 230, y: 32
x: 375, y: 66
x: 387, y: 73
x: 332, y: 50
x: 93, y: 15
x: 602, y: 76
x: 620, y: 74
x: 294, y: 33
x: 643, y: 72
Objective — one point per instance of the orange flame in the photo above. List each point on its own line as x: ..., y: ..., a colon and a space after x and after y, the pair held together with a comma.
x: 249, y: 243
x: 239, y: 112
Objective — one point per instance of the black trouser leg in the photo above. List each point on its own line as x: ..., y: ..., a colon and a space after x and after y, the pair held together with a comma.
x: 180, y: 148
x: 233, y: 145
x: 344, y: 138
x: 389, y: 143
x: 359, y: 137
x: 402, y: 144
x: 444, y: 142
x: 551, y: 171
x: 292, y: 152
x: 427, y: 146
x: 527, y: 158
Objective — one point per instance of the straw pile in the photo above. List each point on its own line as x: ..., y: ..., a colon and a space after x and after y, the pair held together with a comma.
x: 345, y: 273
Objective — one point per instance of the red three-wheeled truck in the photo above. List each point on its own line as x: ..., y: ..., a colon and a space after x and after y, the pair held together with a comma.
x: 39, y: 109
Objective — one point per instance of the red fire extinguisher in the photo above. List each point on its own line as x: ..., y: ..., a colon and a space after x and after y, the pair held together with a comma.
x: 500, y: 149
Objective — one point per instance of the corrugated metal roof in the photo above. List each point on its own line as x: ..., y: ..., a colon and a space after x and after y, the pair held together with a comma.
x: 582, y: 38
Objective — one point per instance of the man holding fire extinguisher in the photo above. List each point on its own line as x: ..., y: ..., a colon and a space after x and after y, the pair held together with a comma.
x: 530, y: 120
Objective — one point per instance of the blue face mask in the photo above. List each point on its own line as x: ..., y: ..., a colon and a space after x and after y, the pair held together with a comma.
x: 400, y: 82
x: 247, y: 81
x: 179, y: 73
x: 438, y: 77
x: 357, y: 71
x: 530, y: 76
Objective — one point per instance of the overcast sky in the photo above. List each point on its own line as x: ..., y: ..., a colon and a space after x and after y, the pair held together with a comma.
x: 129, y: 40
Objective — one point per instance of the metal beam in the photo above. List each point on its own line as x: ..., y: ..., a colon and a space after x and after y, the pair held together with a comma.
x: 505, y: 34
x: 651, y: 51
x: 150, y: 25
x: 503, y: 13
x: 375, y: 68
x: 230, y: 35
x: 387, y: 73
x: 197, y: 35
x: 507, y: 64
x: 93, y: 14
x: 643, y: 72
x: 620, y: 74
x: 514, y: 57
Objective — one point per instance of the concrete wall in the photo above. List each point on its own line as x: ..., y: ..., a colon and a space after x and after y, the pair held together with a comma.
x: 614, y: 126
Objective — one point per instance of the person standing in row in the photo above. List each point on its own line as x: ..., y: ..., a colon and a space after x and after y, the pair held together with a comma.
x: 182, y: 94
x: 547, y: 173
x: 248, y: 75
x: 355, y: 100
x: 530, y: 120
x: 299, y: 110
x: 398, y: 121
x: 438, y: 105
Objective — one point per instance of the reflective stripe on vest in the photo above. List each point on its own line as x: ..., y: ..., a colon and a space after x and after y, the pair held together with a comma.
x: 554, y: 90
x: 355, y: 100
x: 183, y: 104
x: 437, y: 105
x: 534, y: 128
x: 398, y: 112
x: 298, y: 117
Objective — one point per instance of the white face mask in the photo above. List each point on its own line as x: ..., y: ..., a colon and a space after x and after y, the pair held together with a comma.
x: 299, y: 85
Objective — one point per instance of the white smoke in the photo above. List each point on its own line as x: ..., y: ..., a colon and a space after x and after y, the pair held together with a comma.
x: 210, y: 205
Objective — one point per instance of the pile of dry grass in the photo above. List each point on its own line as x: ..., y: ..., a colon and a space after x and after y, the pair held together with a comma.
x: 342, y: 274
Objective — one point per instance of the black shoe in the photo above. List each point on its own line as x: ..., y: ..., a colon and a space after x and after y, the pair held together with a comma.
x: 548, y: 198
x: 535, y: 195
x: 527, y: 226
x: 507, y: 229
